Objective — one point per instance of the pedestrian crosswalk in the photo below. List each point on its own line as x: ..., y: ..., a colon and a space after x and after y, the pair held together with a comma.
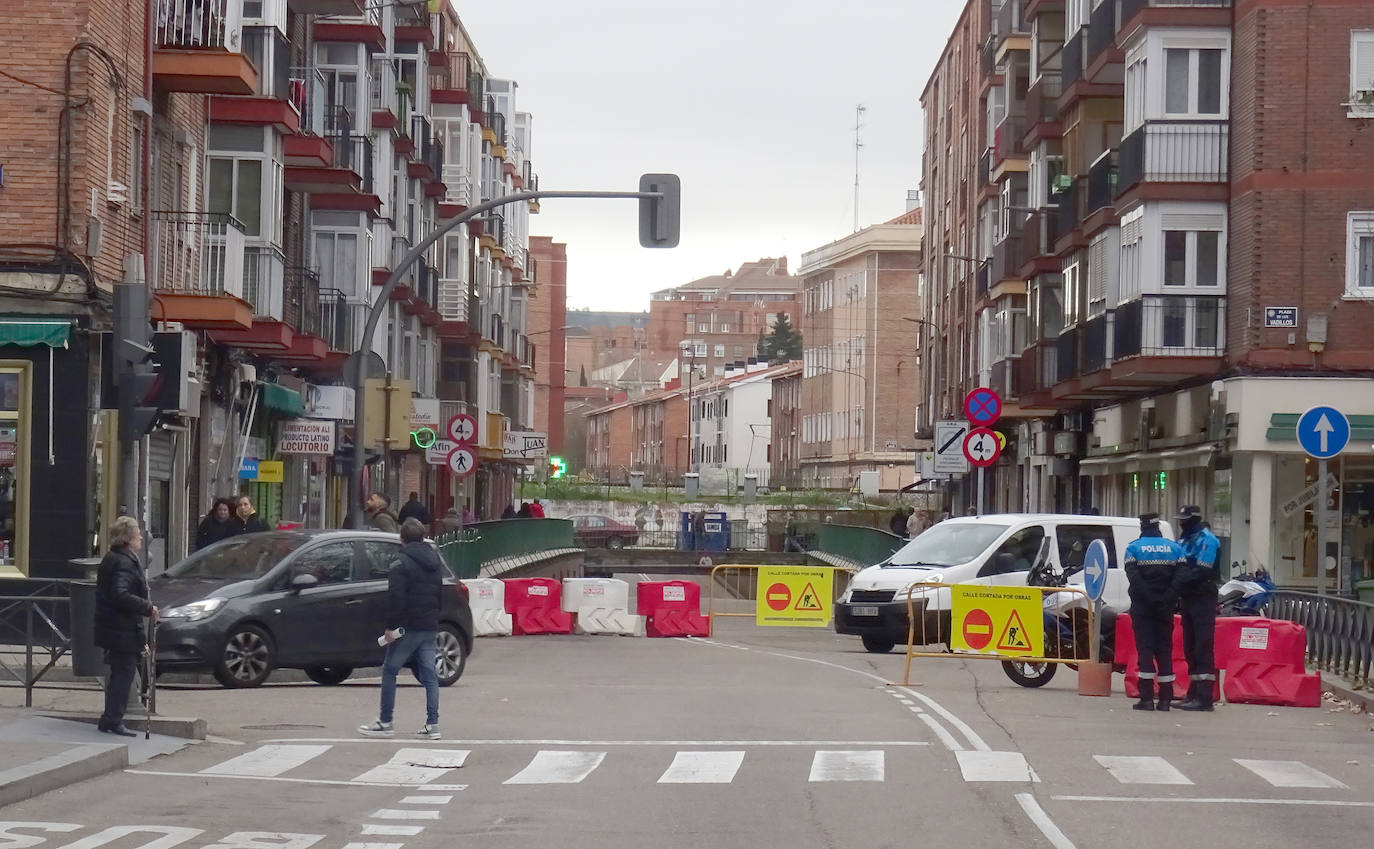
x: 428, y: 769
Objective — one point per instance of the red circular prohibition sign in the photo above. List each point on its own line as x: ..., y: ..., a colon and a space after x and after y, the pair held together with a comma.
x: 977, y: 629
x: 779, y: 596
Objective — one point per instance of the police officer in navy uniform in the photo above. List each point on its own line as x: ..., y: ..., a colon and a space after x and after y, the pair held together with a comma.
x: 1154, y: 568
x: 1198, y: 601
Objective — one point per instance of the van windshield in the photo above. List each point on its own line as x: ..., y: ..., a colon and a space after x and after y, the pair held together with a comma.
x: 948, y: 544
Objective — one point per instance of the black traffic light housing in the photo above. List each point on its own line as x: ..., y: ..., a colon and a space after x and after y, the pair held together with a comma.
x: 660, y: 218
x: 135, y: 373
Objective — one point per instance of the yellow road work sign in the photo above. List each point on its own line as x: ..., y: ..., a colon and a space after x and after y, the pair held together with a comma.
x: 795, y: 595
x: 997, y: 620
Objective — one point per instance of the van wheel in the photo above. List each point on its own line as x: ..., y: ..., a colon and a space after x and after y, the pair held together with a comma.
x: 1029, y: 674
x: 878, y: 645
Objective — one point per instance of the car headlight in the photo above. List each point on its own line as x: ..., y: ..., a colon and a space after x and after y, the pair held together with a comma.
x: 194, y: 611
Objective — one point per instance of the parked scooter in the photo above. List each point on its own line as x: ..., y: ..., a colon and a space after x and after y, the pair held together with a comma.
x: 1246, y: 594
x: 1066, y: 624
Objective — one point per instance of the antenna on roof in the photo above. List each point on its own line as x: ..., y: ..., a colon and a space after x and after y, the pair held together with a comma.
x: 858, y: 144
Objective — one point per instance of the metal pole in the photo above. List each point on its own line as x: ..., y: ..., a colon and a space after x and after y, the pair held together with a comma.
x: 980, y: 490
x: 355, y: 476
x: 1321, y: 527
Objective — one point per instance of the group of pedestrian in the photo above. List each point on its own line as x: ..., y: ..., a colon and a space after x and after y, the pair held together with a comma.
x: 228, y: 517
x: 528, y: 510
x: 1164, y: 575
x: 908, y: 522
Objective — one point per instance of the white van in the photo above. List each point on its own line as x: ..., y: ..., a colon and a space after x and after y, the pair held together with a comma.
x: 989, y: 550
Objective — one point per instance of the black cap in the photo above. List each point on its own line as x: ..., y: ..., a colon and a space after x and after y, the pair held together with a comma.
x: 1149, y: 521
x: 1190, y: 511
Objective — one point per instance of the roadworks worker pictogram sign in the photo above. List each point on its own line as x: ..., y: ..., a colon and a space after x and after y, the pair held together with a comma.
x: 795, y: 595
x: 997, y: 620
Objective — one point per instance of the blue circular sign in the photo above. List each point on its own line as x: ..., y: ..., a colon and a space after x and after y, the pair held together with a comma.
x: 982, y: 406
x: 1095, y: 569
x: 1323, y: 432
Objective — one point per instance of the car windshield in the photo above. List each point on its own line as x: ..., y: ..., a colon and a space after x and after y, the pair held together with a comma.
x: 239, y: 558
x: 947, y: 544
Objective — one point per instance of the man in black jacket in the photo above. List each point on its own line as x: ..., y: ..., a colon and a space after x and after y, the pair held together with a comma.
x: 413, y: 509
x: 121, y: 604
x: 415, y: 584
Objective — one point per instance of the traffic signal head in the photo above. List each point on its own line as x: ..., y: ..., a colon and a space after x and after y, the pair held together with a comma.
x: 660, y: 218
x: 137, y: 416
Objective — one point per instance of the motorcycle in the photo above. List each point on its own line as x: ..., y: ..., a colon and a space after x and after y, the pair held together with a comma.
x: 1066, y: 625
x: 1246, y: 594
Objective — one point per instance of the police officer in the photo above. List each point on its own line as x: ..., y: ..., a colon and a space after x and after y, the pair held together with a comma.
x: 1154, y: 567
x: 1198, y: 600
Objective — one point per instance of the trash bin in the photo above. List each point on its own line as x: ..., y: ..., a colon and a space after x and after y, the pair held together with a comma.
x: 88, y: 661
x: 1364, y: 591
x: 739, y: 534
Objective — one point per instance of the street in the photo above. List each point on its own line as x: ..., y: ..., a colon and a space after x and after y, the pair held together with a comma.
x: 763, y: 737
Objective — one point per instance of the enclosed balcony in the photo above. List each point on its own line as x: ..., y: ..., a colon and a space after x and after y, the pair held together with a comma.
x: 1102, y: 57
x: 333, y: 8
x: 347, y: 184
x: 1102, y: 183
x: 1004, y: 277
x: 271, y: 103
x: 1073, y: 57
x: 1008, y: 152
x: 264, y: 279
x: 1042, y: 109
x: 452, y: 79
x: 1013, y: 31
x: 1175, y: 152
x: 352, y: 28
x: 1036, y: 247
x: 195, y: 266
x: 1135, y: 14
x: 198, y: 48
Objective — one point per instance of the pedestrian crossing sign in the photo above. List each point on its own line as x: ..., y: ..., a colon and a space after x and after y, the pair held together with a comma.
x: 791, y: 595
x: 1012, y: 613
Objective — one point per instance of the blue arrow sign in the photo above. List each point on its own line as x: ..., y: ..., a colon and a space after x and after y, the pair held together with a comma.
x: 1095, y: 569
x: 1323, y: 432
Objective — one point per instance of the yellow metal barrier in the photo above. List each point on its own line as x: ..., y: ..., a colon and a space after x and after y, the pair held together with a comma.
x: 728, y: 577
x: 1055, y: 649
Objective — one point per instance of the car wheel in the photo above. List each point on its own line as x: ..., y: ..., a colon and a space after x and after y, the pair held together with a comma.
x: 246, y: 659
x: 1029, y: 674
x: 450, y: 654
x: 615, y: 542
x: 878, y: 645
x: 328, y: 675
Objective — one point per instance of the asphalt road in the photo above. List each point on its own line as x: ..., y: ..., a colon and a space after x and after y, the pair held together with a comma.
x: 769, y: 738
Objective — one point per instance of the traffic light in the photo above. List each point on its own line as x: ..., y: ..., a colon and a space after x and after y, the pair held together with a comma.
x: 136, y: 376
x: 557, y: 468
x: 660, y: 218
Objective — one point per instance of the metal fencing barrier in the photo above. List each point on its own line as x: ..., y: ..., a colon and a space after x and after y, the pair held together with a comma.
x: 930, y: 623
x: 737, y: 586
x: 1340, y: 631
x: 41, y: 620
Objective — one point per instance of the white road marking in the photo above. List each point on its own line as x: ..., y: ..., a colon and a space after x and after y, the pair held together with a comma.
x: 558, y: 768
x: 680, y: 743
x: 267, y: 761
x: 1332, y: 803
x: 1042, y: 821
x: 1141, y: 770
x: 324, y: 781
x: 940, y: 732
x: 703, y: 768
x: 847, y: 766
x: 416, y: 766
x: 426, y: 800
x: 392, y: 830
x: 225, y: 741
x: 1291, y: 774
x: 995, y: 766
x: 915, y: 709
x: 398, y: 814
x: 374, y: 846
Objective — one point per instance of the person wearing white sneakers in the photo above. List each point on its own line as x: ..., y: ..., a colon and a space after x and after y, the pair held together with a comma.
x: 415, y: 584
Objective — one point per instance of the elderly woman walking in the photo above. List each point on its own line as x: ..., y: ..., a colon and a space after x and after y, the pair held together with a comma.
x: 121, y: 604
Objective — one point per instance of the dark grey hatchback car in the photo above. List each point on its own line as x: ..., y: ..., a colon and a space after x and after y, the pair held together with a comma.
x: 311, y: 600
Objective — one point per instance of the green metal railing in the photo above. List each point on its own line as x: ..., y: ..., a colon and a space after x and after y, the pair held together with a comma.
x: 466, y: 550
x: 863, y: 545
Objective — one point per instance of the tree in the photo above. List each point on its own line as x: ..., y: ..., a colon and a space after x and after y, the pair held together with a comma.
x: 783, y: 343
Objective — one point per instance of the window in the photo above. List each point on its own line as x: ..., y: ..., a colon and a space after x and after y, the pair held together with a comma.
x: 14, y: 465
x: 1361, y: 64
x: 1192, y: 257
x: 720, y: 352
x: 235, y: 187
x: 691, y: 321
x: 1075, y: 539
x: 1359, y: 275
x: 377, y: 559
x: 331, y: 563
x: 1192, y: 81
x: 1017, y: 554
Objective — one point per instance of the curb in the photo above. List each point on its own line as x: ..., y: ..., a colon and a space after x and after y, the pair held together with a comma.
x: 190, y: 728
x: 55, y: 771
x: 1361, y: 697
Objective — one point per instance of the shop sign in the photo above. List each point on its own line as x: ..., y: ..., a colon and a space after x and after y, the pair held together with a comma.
x: 1298, y: 502
x: 424, y: 412
x: 329, y: 402
x: 437, y: 453
x: 306, y: 436
x: 271, y: 471
x: 525, y: 445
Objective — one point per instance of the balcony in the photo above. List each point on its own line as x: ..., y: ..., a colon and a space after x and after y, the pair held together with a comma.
x: 1066, y: 355
x: 347, y: 184
x: 450, y: 80
x: 384, y: 97
x: 1175, y: 13
x: 338, y: 320
x: 197, y: 48
x: 497, y: 331
x: 1101, y: 44
x: 1097, y: 343
x: 1011, y: 26
x: 264, y: 281
x: 335, y: 8
x: 1175, y: 152
x: 1008, y: 152
x: 353, y: 28
x: 985, y: 168
x: 1172, y: 325
x: 526, y: 352
x: 1067, y: 217
x: 1073, y: 58
x: 1042, y: 101
x: 302, y: 311
x: 1036, y: 254
x: 1006, y: 378
x: 1102, y: 182
x: 493, y: 436
x: 1005, y: 265
x: 196, y: 269
x: 270, y: 103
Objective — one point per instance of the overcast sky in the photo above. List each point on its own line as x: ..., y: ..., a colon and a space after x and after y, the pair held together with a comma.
x: 751, y: 102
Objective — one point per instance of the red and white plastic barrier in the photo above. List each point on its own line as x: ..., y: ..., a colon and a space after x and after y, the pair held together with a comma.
x: 487, y: 598
x: 535, y: 606
x: 672, y: 609
x: 601, y: 606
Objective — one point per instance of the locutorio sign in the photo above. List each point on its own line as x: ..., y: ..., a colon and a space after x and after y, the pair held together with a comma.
x: 306, y: 436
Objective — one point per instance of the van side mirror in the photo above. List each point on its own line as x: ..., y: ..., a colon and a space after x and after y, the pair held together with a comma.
x: 303, y: 582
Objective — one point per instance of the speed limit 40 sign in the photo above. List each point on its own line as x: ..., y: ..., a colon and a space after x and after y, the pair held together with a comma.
x: 982, y: 447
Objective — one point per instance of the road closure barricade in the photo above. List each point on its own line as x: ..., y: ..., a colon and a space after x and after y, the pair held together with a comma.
x: 1005, y: 623
x: 487, y: 599
x: 601, y: 606
x: 672, y: 609
x: 801, y: 596
x: 535, y: 606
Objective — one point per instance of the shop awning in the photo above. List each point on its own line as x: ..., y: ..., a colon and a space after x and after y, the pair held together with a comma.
x: 1167, y: 459
x: 55, y: 333
x: 274, y: 396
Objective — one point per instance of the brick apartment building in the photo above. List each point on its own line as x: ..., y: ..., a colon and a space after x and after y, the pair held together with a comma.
x: 719, y: 318
x: 861, y: 360
x: 785, y: 460
x: 548, y: 310
x: 1166, y: 213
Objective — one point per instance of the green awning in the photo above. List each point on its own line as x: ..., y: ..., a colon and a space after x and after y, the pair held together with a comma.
x: 27, y: 333
x: 274, y: 396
